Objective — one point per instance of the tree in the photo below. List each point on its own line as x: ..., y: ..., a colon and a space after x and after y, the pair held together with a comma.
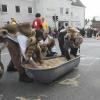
x: 94, y: 19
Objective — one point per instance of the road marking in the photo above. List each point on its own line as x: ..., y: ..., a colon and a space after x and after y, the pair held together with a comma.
x: 88, y: 60
x: 71, y: 81
x: 88, y: 57
x: 1, y: 97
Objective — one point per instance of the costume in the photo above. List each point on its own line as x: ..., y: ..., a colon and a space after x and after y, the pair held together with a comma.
x: 47, y: 45
x: 72, y: 42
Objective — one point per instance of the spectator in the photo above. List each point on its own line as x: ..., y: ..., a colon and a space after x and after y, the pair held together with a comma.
x: 82, y: 31
x: 37, y: 23
x: 61, y: 35
x: 13, y: 21
x: 44, y: 24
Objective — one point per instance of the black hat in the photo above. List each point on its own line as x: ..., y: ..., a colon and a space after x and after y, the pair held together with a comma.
x: 38, y: 15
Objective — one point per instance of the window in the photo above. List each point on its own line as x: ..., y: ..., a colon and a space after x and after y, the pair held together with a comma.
x: 4, y: 8
x: 61, y: 11
x: 67, y: 10
x: 17, y: 8
x: 71, y: 14
x: 29, y: 9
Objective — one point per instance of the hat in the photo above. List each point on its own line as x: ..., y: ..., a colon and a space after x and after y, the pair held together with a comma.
x: 38, y: 15
x: 11, y: 28
x: 13, y: 18
x: 3, y: 31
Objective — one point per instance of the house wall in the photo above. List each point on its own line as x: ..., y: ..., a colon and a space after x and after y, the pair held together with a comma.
x: 47, y: 8
x: 23, y: 16
x: 78, y: 16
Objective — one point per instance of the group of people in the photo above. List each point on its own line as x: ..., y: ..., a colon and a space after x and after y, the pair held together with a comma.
x: 32, y: 43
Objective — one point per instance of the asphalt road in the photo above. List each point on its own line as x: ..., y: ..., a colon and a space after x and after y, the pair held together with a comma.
x: 81, y: 84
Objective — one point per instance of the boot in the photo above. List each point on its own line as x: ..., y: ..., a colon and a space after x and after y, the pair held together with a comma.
x: 10, y: 67
x: 23, y: 76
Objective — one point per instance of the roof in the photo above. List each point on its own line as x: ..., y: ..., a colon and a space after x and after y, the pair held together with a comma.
x: 78, y: 3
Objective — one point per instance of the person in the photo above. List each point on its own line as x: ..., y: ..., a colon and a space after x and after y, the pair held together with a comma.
x: 3, y: 32
x: 72, y: 42
x: 98, y: 35
x: 11, y: 27
x: 14, y: 50
x: 61, y: 35
x: 53, y: 33
x: 27, y: 42
x: 8, y: 22
x: 13, y: 21
x: 37, y: 23
x: 82, y: 31
x: 44, y: 24
x: 47, y: 44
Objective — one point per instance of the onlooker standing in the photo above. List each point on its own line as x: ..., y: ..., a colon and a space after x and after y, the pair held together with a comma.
x: 82, y: 31
x: 44, y: 24
x: 61, y: 35
x: 37, y: 23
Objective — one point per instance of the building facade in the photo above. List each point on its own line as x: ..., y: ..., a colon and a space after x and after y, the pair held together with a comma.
x: 50, y: 8
x: 69, y: 12
x: 21, y: 10
x: 77, y: 14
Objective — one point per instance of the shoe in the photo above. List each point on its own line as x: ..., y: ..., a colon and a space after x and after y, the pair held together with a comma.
x: 25, y: 78
x: 10, y: 67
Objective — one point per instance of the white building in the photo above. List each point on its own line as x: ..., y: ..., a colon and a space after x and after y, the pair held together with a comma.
x: 68, y: 11
x: 77, y: 14
x: 50, y: 8
x: 22, y: 10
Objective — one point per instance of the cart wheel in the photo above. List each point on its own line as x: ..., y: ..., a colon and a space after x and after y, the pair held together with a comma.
x: 1, y: 70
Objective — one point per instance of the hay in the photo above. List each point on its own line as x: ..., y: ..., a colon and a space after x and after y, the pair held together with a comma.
x: 51, y: 63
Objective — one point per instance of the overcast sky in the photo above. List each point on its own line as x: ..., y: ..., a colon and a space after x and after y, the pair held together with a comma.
x: 92, y: 8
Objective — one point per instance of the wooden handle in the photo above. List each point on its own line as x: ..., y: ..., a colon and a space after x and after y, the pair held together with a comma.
x: 0, y: 55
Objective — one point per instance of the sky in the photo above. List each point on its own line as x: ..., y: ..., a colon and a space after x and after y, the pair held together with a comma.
x: 92, y: 8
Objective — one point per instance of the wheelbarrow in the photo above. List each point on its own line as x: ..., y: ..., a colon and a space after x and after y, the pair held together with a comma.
x: 49, y: 75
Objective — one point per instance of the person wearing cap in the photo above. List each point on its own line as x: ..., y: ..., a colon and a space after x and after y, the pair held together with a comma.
x: 13, y: 21
x: 72, y: 42
x: 3, y: 33
x: 37, y: 23
x: 14, y: 51
x: 44, y: 24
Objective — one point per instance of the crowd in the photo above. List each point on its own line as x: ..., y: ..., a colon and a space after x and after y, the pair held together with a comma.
x: 32, y: 43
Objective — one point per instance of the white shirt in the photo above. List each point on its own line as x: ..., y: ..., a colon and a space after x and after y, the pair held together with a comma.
x: 22, y: 40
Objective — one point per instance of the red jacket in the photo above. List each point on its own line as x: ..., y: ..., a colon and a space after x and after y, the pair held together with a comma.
x: 37, y: 24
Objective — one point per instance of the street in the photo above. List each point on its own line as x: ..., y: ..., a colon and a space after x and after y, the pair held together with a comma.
x: 83, y: 83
